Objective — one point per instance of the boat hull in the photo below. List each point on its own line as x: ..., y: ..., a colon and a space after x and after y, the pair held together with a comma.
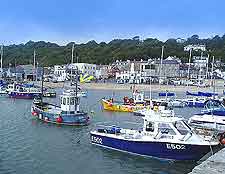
x: 23, y: 95
x: 162, y: 150
x: 75, y: 119
x: 117, y: 107
x: 195, y: 104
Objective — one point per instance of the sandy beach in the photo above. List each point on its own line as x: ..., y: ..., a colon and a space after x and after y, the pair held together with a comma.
x: 141, y: 87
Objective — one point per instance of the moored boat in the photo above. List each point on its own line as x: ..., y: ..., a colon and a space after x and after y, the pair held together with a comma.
x: 135, y: 103
x: 20, y: 91
x: 66, y: 114
x: 198, y: 99
x: 163, y: 136
x: 212, y: 117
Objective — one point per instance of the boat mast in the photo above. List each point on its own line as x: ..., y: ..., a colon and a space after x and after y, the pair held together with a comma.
x: 189, y: 64
x: 1, y: 59
x: 34, y: 58
x: 161, y: 61
x: 213, y: 59
x: 71, y: 72
x: 150, y: 83
x: 207, y: 67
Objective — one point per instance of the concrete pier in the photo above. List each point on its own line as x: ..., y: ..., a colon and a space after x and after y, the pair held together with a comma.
x: 213, y: 165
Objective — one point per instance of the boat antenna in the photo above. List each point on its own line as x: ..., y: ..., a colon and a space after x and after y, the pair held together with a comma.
x: 207, y: 67
x: 213, y: 59
x: 71, y: 72
x: 150, y: 86
x: 34, y: 54
x: 189, y: 65
x: 42, y: 83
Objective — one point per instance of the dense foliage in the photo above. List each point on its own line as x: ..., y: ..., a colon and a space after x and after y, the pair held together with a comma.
x: 104, y: 53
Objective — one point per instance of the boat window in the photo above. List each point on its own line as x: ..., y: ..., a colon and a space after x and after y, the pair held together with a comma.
x: 150, y: 127
x: 165, y: 128
x: 181, y: 129
x: 68, y: 101
x: 64, y: 101
x: 72, y: 101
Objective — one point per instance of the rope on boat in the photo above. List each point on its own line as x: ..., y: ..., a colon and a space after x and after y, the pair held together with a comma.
x: 211, y: 148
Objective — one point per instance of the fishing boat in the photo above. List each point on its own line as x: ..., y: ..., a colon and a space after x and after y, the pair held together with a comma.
x: 163, y: 136
x: 135, y: 103
x: 67, y: 114
x: 23, y: 91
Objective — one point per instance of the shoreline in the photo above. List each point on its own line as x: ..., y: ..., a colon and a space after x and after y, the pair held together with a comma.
x: 141, y: 87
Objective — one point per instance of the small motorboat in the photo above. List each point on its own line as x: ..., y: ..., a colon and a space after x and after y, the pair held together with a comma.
x: 170, y: 98
x: 163, y: 136
x: 135, y: 103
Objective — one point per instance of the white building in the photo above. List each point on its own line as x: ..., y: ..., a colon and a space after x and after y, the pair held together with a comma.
x: 195, y: 47
x: 60, y: 72
x: 84, y: 68
x: 200, y: 61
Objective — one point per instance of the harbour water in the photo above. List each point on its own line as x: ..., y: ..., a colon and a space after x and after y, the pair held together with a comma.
x: 30, y: 146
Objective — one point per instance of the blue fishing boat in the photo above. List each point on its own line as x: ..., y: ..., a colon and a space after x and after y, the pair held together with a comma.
x: 68, y: 113
x: 163, y: 136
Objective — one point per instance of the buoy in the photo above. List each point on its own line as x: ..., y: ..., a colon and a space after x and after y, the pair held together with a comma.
x: 46, y: 118
x: 222, y: 138
x: 34, y: 113
x: 222, y: 141
x: 59, y: 119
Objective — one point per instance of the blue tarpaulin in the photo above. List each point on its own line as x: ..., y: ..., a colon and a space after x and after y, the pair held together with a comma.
x: 201, y: 94
x: 168, y: 94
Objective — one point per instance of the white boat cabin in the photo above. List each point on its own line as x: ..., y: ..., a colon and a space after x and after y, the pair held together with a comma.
x: 69, y: 102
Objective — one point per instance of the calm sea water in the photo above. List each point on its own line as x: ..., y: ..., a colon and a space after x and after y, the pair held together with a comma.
x: 30, y: 146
